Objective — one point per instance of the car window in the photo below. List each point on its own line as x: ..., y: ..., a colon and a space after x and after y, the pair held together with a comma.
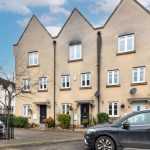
x: 139, y: 119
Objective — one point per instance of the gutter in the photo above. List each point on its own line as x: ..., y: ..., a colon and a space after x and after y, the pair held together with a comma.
x: 54, y: 44
x: 99, y: 47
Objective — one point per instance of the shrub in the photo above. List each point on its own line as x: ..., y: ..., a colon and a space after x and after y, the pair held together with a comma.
x: 20, y: 122
x: 64, y: 121
x: 102, y: 118
x: 49, y: 121
x: 92, y: 122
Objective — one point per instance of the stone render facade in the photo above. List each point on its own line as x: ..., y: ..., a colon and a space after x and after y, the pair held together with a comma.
x: 130, y: 17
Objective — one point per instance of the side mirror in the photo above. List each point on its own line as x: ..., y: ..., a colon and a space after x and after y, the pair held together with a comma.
x: 126, y: 125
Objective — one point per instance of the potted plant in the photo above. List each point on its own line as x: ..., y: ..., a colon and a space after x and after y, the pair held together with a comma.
x: 85, y: 122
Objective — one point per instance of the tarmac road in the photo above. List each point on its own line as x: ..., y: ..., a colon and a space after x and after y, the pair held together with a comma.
x: 59, y: 146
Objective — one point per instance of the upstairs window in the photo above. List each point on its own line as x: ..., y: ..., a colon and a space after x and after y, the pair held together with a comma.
x: 75, y: 52
x: 138, y: 75
x: 126, y: 43
x: 26, y: 84
x: 33, y: 58
x: 43, y: 83
x: 65, y: 81
x: 85, y: 79
x: 113, y: 77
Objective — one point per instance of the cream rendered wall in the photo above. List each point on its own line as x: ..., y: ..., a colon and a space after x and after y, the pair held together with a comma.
x: 128, y: 18
x: 76, y: 29
x: 35, y: 38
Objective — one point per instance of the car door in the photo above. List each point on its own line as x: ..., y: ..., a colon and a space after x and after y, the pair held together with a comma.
x: 138, y: 134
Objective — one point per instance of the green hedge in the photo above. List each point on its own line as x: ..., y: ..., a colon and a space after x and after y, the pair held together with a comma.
x: 64, y: 121
x: 102, y: 118
x: 20, y: 122
x: 16, y: 121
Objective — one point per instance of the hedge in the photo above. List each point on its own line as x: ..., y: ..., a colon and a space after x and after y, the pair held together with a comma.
x: 102, y: 118
x: 64, y: 121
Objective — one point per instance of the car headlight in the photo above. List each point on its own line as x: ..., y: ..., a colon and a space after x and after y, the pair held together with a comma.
x: 90, y: 131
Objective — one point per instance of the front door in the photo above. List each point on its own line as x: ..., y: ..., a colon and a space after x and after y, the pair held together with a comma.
x: 84, y: 113
x: 137, y: 106
x: 43, y: 113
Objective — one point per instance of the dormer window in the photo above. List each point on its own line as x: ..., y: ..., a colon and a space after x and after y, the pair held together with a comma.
x: 126, y: 43
x: 75, y: 52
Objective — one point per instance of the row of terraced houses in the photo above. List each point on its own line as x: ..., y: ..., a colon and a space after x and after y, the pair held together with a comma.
x: 85, y: 70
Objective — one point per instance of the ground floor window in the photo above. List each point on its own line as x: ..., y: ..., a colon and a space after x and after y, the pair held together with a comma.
x: 65, y: 109
x: 113, y: 109
x: 26, y: 110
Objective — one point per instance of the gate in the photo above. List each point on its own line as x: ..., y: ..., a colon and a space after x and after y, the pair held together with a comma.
x: 6, y: 124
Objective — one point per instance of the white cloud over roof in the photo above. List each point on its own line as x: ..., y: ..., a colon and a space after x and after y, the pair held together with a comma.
x: 53, y: 30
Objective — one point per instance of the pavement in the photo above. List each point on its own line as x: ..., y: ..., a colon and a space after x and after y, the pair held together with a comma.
x: 26, y: 137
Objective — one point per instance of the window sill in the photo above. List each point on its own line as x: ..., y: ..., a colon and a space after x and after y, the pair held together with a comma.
x: 124, y: 53
x: 84, y: 88
x: 31, y: 66
x: 111, y: 86
x: 75, y: 60
x: 42, y: 90
x: 135, y: 84
x: 26, y: 91
x: 65, y: 89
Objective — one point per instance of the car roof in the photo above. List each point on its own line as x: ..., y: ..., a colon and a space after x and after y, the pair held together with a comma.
x: 130, y: 115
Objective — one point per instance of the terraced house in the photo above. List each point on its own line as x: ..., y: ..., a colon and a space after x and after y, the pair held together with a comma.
x: 85, y: 70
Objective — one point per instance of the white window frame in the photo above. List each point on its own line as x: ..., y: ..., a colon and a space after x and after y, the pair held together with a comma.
x: 87, y: 75
x: 66, y: 77
x: 126, y: 37
x: 26, y: 108
x: 113, y: 77
x: 113, y: 109
x: 26, y: 84
x: 73, y: 51
x: 43, y: 82
x: 33, y: 55
x: 138, y: 74
x: 66, y: 106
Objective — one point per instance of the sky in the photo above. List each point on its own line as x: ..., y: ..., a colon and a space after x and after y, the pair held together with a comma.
x: 15, y: 14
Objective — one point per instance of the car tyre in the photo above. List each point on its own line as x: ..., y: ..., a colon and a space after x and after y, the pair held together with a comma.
x: 104, y: 143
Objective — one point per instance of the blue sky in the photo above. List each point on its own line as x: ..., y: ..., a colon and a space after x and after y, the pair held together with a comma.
x: 15, y: 14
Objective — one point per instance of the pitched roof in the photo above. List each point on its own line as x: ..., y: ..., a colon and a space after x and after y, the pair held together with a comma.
x: 33, y: 17
x: 74, y: 10
x: 117, y: 9
x: 6, y: 82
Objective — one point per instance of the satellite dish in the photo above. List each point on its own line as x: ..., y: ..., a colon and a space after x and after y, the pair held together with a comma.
x: 96, y: 94
x: 133, y: 91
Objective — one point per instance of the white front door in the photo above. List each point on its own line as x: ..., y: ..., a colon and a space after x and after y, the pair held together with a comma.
x: 137, y: 106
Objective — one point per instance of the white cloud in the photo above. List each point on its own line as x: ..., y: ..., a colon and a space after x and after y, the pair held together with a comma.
x: 23, y: 23
x: 47, y: 19
x: 105, y: 5
x: 145, y: 3
x: 53, y: 30
x: 24, y: 6
x: 57, y: 9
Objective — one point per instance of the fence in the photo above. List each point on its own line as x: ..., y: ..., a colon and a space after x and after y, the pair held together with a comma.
x: 6, y: 124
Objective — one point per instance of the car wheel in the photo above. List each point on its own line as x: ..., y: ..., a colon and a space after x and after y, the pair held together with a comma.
x: 104, y: 143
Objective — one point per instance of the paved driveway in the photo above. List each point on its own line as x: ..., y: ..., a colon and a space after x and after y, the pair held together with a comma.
x: 25, y: 137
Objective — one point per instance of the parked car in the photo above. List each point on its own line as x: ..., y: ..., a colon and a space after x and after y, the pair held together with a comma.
x: 2, y: 130
x: 130, y: 131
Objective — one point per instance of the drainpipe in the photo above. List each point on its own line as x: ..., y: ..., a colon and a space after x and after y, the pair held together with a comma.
x: 54, y: 44
x: 99, y: 46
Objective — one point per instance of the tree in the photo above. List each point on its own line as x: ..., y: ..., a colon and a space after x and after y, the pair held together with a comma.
x: 7, y: 80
